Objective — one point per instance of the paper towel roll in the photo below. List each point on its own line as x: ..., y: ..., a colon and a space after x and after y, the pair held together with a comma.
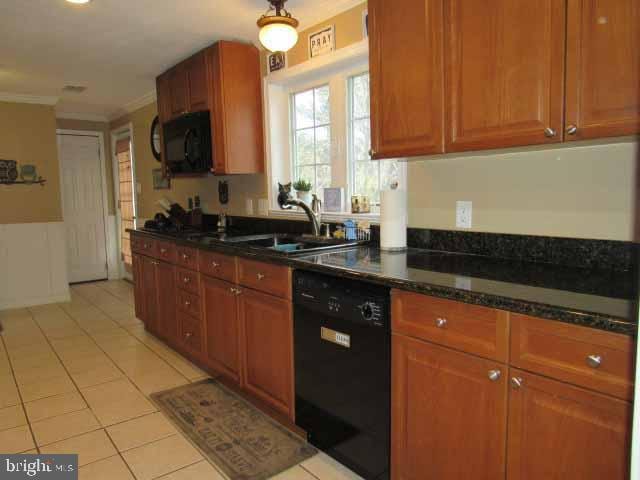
x: 393, y: 219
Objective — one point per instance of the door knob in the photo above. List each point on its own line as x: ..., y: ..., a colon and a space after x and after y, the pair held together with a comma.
x: 516, y: 382
x: 494, y: 375
x: 594, y: 361
x: 549, y: 132
x: 441, y: 322
x: 372, y: 152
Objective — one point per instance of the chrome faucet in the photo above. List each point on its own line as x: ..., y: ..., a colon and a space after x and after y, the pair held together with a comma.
x: 286, y: 202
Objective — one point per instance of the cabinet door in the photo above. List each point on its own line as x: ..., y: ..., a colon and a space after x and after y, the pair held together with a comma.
x: 406, y: 77
x: 179, y: 87
x: 449, y: 413
x: 138, y: 285
x: 504, y: 73
x: 603, y: 68
x: 222, y: 332
x: 166, y: 294
x: 558, y: 431
x: 197, y: 77
x: 149, y: 294
x: 164, y: 98
x: 267, y: 334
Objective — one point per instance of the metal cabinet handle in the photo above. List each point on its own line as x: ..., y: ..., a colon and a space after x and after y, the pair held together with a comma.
x: 187, y: 303
x: 188, y: 335
x: 594, y: 361
x: 549, y: 132
x: 372, y: 152
x: 186, y: 280
x: 441, y: 322
x: 260, y: 276
x: 215, y: 264
x: 145, y: 245
x: 163, y: 250
x: 516, y: 382
x: 572, y: 130
x: 494, y: 375
x: 233, y: 290
x: 185, y: 256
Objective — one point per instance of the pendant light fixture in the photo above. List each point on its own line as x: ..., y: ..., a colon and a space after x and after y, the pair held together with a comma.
x: 278, y: 28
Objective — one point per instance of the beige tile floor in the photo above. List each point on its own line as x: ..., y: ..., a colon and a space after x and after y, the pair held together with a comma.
x: 76, y: 378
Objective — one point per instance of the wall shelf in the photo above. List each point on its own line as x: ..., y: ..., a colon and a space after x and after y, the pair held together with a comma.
x: 40, y: 182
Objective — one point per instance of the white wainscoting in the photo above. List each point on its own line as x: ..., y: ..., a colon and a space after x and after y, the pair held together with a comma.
x: 113, y: 251
x: 33, y: 264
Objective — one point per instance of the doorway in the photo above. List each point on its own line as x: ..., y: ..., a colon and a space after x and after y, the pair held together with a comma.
x: 84, y: 204
x: 125, y: 194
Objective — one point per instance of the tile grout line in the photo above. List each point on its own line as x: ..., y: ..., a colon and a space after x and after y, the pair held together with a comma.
x: 15, y: 381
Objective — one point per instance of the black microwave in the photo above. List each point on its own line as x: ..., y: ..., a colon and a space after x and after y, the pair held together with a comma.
x: 187, y: 144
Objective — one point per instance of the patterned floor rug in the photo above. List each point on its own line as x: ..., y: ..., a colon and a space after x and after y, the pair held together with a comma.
x: 243, y: 442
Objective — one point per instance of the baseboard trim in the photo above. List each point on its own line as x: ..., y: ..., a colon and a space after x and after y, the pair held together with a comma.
x: 33, y: 301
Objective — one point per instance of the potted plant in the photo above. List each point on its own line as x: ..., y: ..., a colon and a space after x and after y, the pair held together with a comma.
x: 303, y: 190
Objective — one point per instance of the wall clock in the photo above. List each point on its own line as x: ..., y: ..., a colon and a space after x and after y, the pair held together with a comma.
x: 154, y: 138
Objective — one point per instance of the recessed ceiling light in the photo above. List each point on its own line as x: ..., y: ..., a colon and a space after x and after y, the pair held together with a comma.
x: 79, y: 2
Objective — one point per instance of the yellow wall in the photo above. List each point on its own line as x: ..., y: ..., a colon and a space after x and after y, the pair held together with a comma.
x: 28, y: 135
x: 240, y: 186
x: 348, y: 30
x: 103, y: 127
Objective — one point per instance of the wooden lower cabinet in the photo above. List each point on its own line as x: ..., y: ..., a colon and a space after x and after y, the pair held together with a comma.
x: 267, y: 349
x: 149, y: 294
x: 449, y: 413
x: 558, y: 431
x: 138, y: 289
x: 222, y: 338
x: 167, y: 326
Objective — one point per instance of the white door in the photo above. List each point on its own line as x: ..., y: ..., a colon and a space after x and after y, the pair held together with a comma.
x: 83, y: 207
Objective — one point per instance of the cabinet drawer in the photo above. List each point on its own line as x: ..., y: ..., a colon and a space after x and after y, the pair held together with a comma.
x: 217, y: 265
x: 469, y: 328
x: 594, y: 359
x: 187, y: 257
x: 190, y: 333
x: 145, y: 246
x: 266, y: 277
x: 166, y: 251
x: 189, y: 303
x: 188, y: 280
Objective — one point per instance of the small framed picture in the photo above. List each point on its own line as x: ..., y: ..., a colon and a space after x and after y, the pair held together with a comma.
x: 322, y: 42
x: 365, y: 24
x: 277, y: 61
x: 334, y: 200
x: 160, y: 182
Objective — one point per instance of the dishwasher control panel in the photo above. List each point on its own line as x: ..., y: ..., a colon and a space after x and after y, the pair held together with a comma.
x: 353, y: 300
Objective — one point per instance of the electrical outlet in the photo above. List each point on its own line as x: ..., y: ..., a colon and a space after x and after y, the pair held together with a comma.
x: 464, y: 212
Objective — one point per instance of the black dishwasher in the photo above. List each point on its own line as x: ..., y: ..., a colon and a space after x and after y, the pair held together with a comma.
x: 342, y: 337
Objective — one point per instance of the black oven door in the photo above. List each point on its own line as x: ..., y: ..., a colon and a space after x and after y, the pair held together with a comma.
x: 187, y: 144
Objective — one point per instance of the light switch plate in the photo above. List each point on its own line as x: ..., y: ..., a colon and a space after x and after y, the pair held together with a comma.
x: 464, y: 213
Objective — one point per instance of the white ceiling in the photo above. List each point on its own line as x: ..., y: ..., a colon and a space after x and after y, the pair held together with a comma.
x: 116, y: 48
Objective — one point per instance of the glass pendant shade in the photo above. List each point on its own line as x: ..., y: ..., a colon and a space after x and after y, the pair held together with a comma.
x: 278, y: 37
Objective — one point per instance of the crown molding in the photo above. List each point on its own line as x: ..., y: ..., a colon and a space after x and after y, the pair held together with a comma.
x: 143, y: 101
x: 23, y: 98
x: 87, y: 117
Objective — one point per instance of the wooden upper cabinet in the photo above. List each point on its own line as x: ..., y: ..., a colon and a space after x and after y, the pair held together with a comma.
x: 179, y: 90
x: 504, y: 73
x: 222, y: 338
x: 406, y: 45
x: 164, y: 98
x: 197, y: 80
x: 603, y: 68
x: 558, y: 431
x: 449, y: 414
x: 236, y: 108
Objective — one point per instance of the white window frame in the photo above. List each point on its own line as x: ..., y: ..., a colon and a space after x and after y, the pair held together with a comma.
x: 334, y: 69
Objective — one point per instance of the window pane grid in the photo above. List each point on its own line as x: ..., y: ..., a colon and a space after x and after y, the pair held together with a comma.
x: 312, y: 137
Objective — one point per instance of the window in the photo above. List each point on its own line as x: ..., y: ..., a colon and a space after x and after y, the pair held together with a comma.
x: 367, y: 176
x: 311, y: 135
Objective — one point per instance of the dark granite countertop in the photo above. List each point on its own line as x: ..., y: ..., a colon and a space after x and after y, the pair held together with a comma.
x: 596, y: 298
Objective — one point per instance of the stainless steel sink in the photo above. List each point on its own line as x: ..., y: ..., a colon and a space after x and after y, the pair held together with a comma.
x: 288, y: 244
